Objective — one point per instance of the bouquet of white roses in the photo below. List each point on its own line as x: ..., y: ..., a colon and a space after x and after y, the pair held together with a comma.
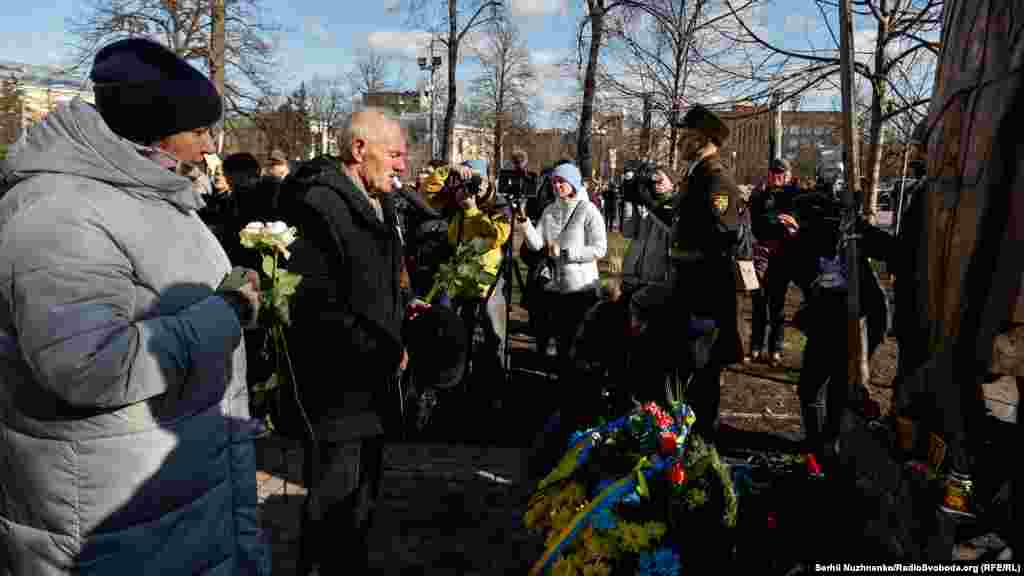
x: 277, y: 286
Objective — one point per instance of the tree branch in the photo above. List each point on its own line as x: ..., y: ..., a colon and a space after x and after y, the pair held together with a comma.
x: 767, y: 45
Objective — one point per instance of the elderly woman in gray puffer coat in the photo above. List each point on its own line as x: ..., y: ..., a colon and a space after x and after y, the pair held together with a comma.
x: 125, y: 440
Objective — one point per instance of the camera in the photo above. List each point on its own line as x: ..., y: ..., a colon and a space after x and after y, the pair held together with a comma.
x: 637, y: 175
x: 463, y: 188
x: 516, y: 185
x: 473, y: 185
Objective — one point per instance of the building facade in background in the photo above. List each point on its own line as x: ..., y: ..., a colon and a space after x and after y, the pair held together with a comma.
x: 398, y: 101
x: 43, y: 88
x: 28, y: 93
x: 803, y: 132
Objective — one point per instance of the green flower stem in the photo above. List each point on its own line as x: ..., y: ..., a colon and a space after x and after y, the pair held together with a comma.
x: 434, y: 290
x: 273, y: 280
x: 279, y: 329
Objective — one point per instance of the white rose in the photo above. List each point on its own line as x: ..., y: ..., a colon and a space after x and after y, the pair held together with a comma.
x: 254, y: 227
x: 288, y: 236
x: 278, y: 228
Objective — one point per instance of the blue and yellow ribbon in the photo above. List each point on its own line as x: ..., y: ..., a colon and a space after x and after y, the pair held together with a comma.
x: 643, y: 470
x: 580, y: 446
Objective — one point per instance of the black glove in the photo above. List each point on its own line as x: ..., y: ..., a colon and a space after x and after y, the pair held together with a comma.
x: 240, y: 305
x: 228, y: 290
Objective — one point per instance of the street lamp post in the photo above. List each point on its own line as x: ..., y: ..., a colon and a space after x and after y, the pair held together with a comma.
x: 432, y: 63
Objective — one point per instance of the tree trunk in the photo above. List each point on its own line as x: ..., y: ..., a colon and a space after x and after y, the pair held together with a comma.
x: 216, y: 61
x: 499, y: 115
x: 453, y: 55
x: 217, y: 40
x: 583, y: 135
x: 498, y: 133
x: 673, y: 132
x: 648, y: 128
x: 878, y: 104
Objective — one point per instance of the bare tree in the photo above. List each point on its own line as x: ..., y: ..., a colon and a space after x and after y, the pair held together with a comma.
x: 372, y: 71
x: 503, y: 90
x: 329, y: 101
x: 651, y: 54
x: 185, y: 27
x: 285, y: 123
x: 591, y: 36
x: 11, y: 113
x: 461, y: 18
x: 903, y: 55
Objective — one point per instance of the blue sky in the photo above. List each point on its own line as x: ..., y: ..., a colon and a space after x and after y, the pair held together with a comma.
x: 320, y: 37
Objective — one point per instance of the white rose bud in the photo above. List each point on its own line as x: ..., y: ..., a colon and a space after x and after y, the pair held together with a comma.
x: 278, y: 228
x: 254, y: 227
x: 288, y: 236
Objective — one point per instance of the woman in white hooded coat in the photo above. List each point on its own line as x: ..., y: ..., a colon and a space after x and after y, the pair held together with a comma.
x: 573, y: 236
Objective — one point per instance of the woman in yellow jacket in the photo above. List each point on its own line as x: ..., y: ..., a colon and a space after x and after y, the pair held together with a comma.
x: 479, y: 219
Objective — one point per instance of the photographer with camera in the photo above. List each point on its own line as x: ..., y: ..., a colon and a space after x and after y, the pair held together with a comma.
x: 481, y: 217
x: 647, y: 261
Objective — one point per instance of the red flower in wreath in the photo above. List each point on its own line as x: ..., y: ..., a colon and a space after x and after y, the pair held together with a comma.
x: 677, y: 474
x: 660, y: 417
x: 667, y: 442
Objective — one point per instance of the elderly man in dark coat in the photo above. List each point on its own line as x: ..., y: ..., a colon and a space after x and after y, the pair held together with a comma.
x: 346, y: 334
x: 706, y: 232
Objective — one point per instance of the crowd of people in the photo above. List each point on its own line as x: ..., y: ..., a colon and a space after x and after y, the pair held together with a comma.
x: 128, y: 362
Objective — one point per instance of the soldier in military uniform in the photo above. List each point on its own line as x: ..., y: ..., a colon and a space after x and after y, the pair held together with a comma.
x: 705, y: 235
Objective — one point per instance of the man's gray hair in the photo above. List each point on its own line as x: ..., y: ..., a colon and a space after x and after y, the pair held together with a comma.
x: 363, y: 124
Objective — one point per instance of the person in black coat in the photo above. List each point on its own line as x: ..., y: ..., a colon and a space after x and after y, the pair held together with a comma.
x: 705, y: 235
x: 647, y: 259
x: 903, y: 258
x: 768, y: 206
x: 819, y: 268
x: 346, y: 334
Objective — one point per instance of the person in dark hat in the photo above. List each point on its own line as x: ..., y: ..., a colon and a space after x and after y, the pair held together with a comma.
x: 773, y: 225
x: 277, y: 166
x: 130, y: 420
x: 241, y: 169
x: 705, y: 234
x: 148, y: 95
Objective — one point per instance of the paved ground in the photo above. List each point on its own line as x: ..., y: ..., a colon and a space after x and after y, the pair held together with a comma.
x: 447, y: 509
x: 452, y: 498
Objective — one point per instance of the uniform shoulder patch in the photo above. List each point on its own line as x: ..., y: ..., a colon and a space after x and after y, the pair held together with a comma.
x: 720, y: 202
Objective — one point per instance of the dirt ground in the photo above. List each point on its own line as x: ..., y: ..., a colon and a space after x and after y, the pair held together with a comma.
x: 753, y: 387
